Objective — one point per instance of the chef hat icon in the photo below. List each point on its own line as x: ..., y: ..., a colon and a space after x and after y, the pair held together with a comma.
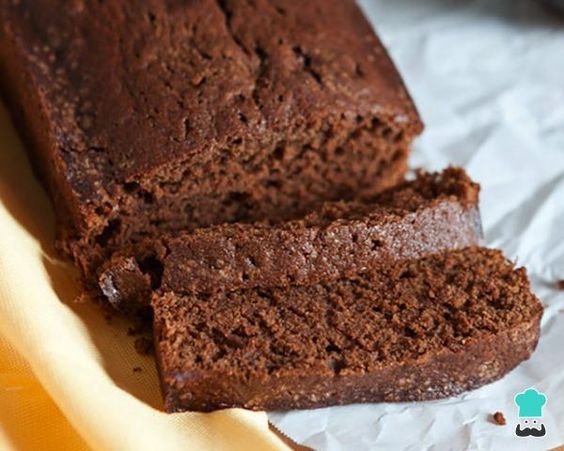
x: 530, y: 403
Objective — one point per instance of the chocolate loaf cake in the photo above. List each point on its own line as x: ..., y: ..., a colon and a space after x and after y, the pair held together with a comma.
x: 415, y: 330
x: 434, y: 212
x: 154, y: 116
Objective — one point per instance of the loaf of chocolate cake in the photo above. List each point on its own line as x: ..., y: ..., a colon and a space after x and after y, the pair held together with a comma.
x: 239, y: 167
x: 163, y: 115
x: 434, y: 212
x: 415, y: 330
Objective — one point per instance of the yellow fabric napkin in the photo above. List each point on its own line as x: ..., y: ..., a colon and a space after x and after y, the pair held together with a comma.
x: 67, y: 378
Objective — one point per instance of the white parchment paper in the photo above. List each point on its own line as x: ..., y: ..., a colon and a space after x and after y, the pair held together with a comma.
x: 488, y: 79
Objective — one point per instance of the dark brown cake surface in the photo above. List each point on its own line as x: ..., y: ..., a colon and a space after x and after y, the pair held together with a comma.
x: 434, y: 212
x: 165, y: 115
x: 416, y: 330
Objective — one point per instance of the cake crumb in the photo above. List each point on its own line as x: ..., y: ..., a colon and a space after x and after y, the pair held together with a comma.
x: 560, y: 284
x: 143, y: 346
x: 137, y: 369
x: 499, y: 419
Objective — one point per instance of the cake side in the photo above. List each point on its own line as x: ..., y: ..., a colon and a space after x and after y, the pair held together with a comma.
x: 434, y: 212
x: 415, y: 330
x: 446, y: 374
x: 162, y: 116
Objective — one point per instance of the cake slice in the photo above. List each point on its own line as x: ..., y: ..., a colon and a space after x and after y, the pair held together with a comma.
x: 415, y: 330
x: 153, y: 116
x: 434, y: 212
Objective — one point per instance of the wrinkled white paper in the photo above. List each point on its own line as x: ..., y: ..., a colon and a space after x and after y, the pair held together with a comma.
x: 488, y: 79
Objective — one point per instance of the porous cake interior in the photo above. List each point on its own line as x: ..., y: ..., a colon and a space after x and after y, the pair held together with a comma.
x: 271, y: 120
x: 351, y: 326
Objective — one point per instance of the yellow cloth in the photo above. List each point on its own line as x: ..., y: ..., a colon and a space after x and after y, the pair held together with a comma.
x: 66, y: 373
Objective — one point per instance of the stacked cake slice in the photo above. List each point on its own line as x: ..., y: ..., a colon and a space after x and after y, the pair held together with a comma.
x: 385, y: 301
x: 434, y: 212
x: 415, y: 330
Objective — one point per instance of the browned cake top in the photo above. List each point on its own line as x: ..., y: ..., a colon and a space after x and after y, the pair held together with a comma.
x: 405, y: 313
x: 130, y: 86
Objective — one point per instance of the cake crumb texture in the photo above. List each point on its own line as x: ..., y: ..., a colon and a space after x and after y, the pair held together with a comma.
x: 417, y: 330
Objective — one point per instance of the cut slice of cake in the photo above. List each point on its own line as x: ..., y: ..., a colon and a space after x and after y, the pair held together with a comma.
x: 153, y: 116
x: 434, y: 212
x: 414, y: 330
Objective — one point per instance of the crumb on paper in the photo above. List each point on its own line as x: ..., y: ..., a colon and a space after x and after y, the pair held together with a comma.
x: 499, y: 419
x: 143, y: 346
x: 136, y: 369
